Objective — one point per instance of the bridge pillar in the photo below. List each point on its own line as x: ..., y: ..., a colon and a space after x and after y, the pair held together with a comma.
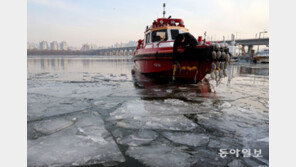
x: 250, y: 51
x: 243, y: 50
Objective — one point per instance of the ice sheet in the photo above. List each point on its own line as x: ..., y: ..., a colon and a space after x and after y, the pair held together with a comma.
x: 84, y: 143
x: 160, y: 155
x: 190, y: 139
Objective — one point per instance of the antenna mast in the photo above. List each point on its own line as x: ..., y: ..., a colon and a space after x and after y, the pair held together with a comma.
x: 163, y: 10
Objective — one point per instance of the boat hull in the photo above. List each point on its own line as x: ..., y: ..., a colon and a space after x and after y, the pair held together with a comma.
x: 192, y: 63
x: 163, y: 68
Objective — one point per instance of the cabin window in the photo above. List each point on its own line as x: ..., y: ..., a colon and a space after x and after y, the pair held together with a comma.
x: 147, y: 40
x: 174, y: 34
x: 160, y: 35
x: 182, y: 32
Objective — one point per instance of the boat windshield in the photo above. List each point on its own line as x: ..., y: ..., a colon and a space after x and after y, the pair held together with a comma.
x: 159, y: 35
x: 175, y: 33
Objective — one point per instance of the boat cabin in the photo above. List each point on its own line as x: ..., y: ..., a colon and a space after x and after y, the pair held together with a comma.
x: 163, y: 32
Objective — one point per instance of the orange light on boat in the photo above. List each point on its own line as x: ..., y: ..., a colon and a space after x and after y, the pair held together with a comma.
x: 189, y: 68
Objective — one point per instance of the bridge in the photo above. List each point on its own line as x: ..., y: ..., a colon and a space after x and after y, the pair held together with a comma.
x: 129, y: 50
x: 126, y: 51
x: 247, y: 42
x: 123, y: 51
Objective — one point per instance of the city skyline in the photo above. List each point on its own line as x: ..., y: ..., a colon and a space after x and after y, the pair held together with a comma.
x: 103, y: 24
x: 63, y: 45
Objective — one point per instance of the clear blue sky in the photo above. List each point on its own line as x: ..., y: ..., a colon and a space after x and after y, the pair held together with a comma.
x: 104, y: 22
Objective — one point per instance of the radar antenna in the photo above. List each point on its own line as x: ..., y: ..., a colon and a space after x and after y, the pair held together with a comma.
x: 163, y: 10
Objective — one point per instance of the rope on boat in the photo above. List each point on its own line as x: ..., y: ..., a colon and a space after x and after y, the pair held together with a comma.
x: 195, y: 76
x: 174, y: 72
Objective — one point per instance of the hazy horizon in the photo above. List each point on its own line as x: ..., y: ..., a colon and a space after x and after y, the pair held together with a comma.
x: 106, y: 22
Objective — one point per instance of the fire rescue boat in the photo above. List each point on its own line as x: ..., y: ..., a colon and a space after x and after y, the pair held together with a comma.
x: 154, y: 54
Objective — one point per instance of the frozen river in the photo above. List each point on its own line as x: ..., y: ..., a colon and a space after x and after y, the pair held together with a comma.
x: 85, y: 110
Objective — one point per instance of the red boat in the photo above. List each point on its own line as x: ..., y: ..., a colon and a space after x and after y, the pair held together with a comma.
x: 154, y: 54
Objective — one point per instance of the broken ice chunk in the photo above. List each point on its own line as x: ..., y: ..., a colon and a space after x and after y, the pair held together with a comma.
x: 139, y: 138
x: 160, y: 155
x: 164, y: 122
x: 52, y: 125
x: 86, y: 143
x: 190, y: 139
x: 175, y: 102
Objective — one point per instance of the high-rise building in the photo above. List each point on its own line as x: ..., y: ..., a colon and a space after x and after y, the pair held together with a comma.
x: 131, y: 43
x: 54, y: 45
x: 93, y: 47
x: 43, y: 45
x: 32, y: 45
x: 63, y: 45
x: 85, y: 47
x: 118, y: 45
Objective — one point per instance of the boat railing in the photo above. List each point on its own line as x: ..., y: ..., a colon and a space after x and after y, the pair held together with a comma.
x: 170, y: 43
x: 160, y: 44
